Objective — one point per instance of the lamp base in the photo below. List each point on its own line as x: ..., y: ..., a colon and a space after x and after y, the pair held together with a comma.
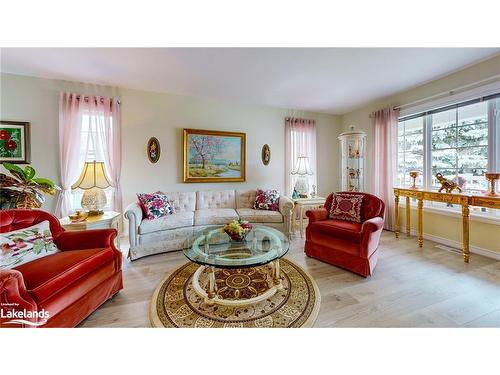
x: 93, y: 201
x: 302, y: 185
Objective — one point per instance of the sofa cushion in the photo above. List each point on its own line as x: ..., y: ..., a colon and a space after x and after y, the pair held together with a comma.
x: 259, y: 216
x: 245, y: 198
x: 155, y: 205
x: 25, y: 245
x: 267, y: 200
x: 176, y: 220
x: 47, y: 276
x: 183, y: 200
x: 346, y: 207
x: 214, y: 216
x: 346, y: 230
x: 215, y: 199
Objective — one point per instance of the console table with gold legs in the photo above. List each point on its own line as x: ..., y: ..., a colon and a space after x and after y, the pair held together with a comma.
x: 462, y: 199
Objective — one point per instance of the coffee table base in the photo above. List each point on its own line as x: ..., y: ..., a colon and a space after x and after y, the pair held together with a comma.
x: 210, y: 293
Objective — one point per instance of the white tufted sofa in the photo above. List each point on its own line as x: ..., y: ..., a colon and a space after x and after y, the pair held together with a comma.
x: 197, y: 210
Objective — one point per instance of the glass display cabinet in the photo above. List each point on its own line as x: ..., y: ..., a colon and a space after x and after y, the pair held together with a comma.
x: 352, y: 159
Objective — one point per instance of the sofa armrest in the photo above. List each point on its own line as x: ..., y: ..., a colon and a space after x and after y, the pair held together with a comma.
x: 133, y: 214
x: 14, y: 297
x: 90, y: 239
x: 317, y: 215
x: 86, y: 239
x: 372, y: 225
x: 286, y: 206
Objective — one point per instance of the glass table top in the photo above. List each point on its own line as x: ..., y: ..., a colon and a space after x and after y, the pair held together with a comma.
x: 212, y: 247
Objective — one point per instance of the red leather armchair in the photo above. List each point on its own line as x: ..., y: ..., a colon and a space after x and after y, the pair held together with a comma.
x: 68, y: 285
x: 346, y: 244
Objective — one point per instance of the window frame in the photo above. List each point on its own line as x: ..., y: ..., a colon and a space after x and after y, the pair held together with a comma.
x: 493, y: 146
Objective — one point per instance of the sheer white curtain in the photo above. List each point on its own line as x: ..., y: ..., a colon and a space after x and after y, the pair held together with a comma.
x: 104, y: 134
x: 300, y: 140
x: 384, y: 159
x: 70, y: 156
x: 105, y: 129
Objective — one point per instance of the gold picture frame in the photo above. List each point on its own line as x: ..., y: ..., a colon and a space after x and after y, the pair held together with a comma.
x: 213, y: 156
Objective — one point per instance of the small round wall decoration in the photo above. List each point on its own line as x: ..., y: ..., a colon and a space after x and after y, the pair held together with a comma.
x: 153, y: 150
x: 266, y: 154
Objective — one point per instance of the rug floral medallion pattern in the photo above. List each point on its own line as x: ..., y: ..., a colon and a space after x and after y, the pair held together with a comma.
x: 176, y: 304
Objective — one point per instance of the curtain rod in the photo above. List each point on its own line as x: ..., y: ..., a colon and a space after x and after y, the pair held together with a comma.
x: 452, y: 92
x: 101, y: 98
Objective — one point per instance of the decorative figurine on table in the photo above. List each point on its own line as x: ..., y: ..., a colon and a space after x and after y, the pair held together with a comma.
x: 414, y: 175
x: 492, y: 177
x: 295, y: 194
x: 313, y: 192
x: 446, y: 184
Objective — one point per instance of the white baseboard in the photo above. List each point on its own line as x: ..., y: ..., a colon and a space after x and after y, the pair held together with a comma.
x: 456, y: 244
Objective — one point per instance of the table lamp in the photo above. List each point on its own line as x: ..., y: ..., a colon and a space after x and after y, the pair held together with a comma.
x: 302, y: 171
x: 93, y: 180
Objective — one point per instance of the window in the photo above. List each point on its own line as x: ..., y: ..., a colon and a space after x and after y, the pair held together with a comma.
x: 89, y: 153
x: 460, y: 141
x: 410, y: 150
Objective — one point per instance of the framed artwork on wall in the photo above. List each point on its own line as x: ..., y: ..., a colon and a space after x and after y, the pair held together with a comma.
x: 15, y: 146
x: 266, y: 154
x: 214, y: 156
x: 153, y: 150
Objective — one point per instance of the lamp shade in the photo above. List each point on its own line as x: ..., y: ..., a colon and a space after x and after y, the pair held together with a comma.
x: 302, y: 167
x: 93, y: 175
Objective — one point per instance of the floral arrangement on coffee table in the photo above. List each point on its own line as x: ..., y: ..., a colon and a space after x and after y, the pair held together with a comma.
x: 237, y: 230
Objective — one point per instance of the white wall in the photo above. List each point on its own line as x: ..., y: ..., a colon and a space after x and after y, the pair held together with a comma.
x: 148, y: 114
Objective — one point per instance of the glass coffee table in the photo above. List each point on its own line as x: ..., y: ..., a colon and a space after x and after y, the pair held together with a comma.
x: 231, y: 272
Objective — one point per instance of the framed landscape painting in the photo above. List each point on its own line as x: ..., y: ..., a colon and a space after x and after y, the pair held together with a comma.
x: 15, y: 142
x: 214, y: 156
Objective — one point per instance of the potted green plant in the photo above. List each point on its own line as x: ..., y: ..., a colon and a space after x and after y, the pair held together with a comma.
x: 22, y: 189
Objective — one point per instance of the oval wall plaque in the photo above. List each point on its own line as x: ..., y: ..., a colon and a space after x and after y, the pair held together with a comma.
x: 153, y: 150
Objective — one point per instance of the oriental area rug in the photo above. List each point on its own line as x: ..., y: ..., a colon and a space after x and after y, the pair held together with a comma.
x: 175, y: 303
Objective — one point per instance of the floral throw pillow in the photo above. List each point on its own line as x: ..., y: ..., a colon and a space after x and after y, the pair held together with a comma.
x: 346, y: 207
x: 27, y: 244
x: 155, y: 205
x: 267, y: 200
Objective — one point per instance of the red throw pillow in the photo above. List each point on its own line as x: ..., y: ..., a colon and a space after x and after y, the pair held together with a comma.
x: 346, y: 207
x: 155, y: 205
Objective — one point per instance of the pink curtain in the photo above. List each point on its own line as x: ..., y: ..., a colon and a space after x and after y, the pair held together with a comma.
x: 104, y: 133
x: 71, y: 158
x: 105, y: 128
x: 384, y: 159
x: 300, y: 140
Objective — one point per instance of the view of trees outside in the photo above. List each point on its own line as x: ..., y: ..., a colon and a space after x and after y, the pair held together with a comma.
x: 459, y: 139
x: 410, y: 150
x: 460, y: 146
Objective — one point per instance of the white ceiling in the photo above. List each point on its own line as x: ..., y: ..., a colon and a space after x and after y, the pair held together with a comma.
x: 332, y: 80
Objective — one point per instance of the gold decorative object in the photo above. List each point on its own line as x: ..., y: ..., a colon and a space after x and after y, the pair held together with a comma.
x: 446, y: 184
x: 414, y: 175
x: 492, y: 177
x: 78, y: 216
x: 93, y: 179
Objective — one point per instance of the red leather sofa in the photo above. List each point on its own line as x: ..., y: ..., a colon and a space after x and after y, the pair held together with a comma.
x: 346, y: 244
x: 68, y: 285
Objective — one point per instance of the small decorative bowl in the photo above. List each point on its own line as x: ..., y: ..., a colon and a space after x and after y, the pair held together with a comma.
x: 78, y: 216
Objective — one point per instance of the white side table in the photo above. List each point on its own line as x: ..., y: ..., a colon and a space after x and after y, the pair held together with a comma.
x: 301, y: 206
x: 109, y: 220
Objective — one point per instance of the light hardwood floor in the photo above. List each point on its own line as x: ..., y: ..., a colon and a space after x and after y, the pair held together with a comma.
x: 411, y: 287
